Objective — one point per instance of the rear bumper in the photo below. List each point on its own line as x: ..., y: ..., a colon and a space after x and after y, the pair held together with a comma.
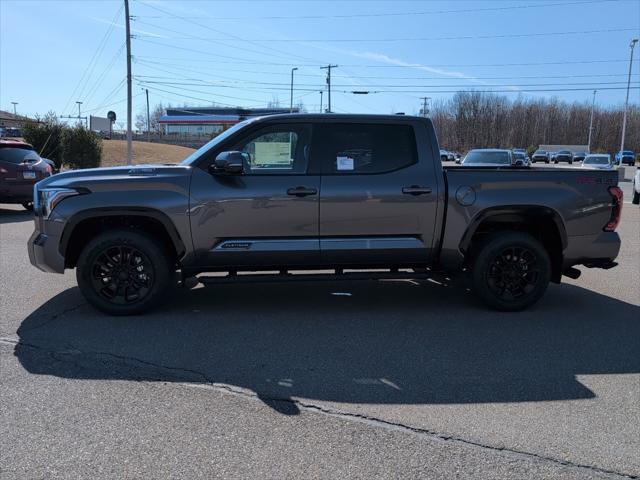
x: 43, y: 247
x: 599, y: 250
x: 16, y: 193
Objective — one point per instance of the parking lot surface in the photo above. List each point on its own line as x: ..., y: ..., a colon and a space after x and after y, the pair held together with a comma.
x: 340, y: 380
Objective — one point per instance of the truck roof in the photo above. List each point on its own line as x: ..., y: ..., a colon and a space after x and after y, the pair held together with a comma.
x: 344, y: 117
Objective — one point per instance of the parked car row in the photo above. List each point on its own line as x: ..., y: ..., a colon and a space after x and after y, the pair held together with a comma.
x: 10, y: 132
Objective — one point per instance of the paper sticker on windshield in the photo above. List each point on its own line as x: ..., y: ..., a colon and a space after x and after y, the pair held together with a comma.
x: 344, y: 163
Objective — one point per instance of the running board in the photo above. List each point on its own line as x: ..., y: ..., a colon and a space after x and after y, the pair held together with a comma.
x: 312, y: 277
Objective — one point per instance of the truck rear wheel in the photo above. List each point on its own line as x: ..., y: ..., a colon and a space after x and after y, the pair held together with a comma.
x: 511, y: 271
x: 123, y: 272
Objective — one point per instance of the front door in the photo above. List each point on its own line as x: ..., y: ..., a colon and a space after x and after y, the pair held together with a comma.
x: 378, y: 202
x: 265, y: 217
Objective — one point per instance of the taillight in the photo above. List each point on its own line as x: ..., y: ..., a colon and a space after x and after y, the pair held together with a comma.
x: 616, y: 211
x: 3, y: 170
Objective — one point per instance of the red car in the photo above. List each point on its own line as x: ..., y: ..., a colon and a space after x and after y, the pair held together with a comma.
x: 20, y: 168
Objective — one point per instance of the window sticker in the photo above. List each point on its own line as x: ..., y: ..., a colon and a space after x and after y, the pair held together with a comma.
x: 344, y: 163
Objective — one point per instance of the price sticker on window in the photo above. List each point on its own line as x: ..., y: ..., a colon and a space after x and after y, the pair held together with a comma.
x: 344, y: 163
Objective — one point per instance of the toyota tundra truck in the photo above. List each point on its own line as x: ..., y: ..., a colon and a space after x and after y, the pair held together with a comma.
x: 287, y: 196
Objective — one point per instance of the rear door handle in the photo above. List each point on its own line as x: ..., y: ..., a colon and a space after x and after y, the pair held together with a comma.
x: 416, y: 190
x: 302, y: 191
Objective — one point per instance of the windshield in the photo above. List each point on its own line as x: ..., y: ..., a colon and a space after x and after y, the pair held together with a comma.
x: 212, y: 144
x: 627, y: 152
x: 597, y: 160
x: 518, y: 155
x: 564, y: 152
x: 496, y: 158
x: 540, y: 152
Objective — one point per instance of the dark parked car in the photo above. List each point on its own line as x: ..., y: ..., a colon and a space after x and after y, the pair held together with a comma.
x: 579, y: 156
x: 563, y: 156
x: 489, y: 157
x: 540, y: 156
x: 20, y: 168
x: 626, y: 157
x: 321, y: 192
x: 520, y: 158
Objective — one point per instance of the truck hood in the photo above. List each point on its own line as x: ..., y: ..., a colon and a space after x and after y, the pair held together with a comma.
x: 76, y: 178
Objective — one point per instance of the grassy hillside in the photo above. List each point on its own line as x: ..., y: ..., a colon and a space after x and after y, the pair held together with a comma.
x: 114, y: 152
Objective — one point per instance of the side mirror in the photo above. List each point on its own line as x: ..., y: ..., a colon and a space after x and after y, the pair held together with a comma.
x: 229, y: 163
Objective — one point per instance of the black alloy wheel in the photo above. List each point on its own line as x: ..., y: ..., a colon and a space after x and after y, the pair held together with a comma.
x: 122, y: 274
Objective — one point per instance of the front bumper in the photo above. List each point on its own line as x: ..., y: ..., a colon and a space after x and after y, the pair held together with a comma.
x: 598, y: 250
x: 43, y: 246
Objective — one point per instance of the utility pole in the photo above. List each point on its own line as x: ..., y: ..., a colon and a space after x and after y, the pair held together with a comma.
x: 321, y: 92
x: 328, y: 68
x: 425, y: 108
x: 626, y: 102
x: 129, y: 108
x: 291, y: 103
x: 14, y: 107
x: 148, y: 117
x: 80, y: 115
x: 591, y: 122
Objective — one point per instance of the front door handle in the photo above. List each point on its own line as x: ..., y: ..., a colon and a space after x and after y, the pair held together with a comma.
x: 416, y: 190
x: 302, y: 191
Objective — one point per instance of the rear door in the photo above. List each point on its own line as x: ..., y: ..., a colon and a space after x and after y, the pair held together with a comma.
x: 379, y: 194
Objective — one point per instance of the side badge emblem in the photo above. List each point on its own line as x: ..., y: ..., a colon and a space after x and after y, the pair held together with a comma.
x: 466, y: 195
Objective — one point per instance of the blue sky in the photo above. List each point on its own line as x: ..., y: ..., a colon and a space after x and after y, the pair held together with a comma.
x: 53, y: 53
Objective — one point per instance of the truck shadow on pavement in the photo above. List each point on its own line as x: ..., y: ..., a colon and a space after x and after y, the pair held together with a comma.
x: 14, y: 216
x: 367, y: 342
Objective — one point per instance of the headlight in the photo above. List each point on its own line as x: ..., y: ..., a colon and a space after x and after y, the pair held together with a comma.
x: 45, y: 200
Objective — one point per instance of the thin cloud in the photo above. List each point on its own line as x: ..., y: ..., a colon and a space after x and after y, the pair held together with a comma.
x: 134, y: 30
x: 384, y: 58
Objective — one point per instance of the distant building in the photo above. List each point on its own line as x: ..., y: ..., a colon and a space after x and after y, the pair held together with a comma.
x: 210, y: 120
x: 9, y: 120
x: 571, y: 148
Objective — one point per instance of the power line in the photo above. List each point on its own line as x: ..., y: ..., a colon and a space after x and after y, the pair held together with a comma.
x: 144, y: 60
x: 500, y: 91
x: 230, y: 35
x: 100, y: 79
x: 414, y: 39
x: 249, y: 61
x: 312, y: 87
x: 94, y: 57
x: 397, y: 14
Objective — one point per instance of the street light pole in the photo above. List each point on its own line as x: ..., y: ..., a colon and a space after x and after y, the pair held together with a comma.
x: 321, y: 92
x: 291, y: 103
x: 591, y: 122
x: 626, y: 102
x: 14, y: 107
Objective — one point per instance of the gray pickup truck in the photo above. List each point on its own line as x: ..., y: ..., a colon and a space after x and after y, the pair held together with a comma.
x: 358, y: 195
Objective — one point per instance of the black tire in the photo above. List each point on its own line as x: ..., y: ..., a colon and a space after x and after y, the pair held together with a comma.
x: 510, y: 271
x: 570, y: 162
x: 123, y: 272
x: 636, y: 197
x: 28, y: 206
x: 546, y: 161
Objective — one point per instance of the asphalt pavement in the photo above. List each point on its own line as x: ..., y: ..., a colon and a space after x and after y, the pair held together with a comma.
x: 393, y: 379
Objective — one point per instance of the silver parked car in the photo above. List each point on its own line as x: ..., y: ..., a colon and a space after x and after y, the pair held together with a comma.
x: 600, y: 161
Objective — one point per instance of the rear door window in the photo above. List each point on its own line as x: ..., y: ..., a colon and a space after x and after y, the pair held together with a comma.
x: 18, y: 155
x: 348, y: 149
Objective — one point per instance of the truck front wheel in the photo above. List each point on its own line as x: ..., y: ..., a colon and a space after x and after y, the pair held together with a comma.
x: 123, y: 272
x: 510, y: 271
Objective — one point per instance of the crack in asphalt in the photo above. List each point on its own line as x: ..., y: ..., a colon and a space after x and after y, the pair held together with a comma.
x: 51, y: 318
x: 70, y: 355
